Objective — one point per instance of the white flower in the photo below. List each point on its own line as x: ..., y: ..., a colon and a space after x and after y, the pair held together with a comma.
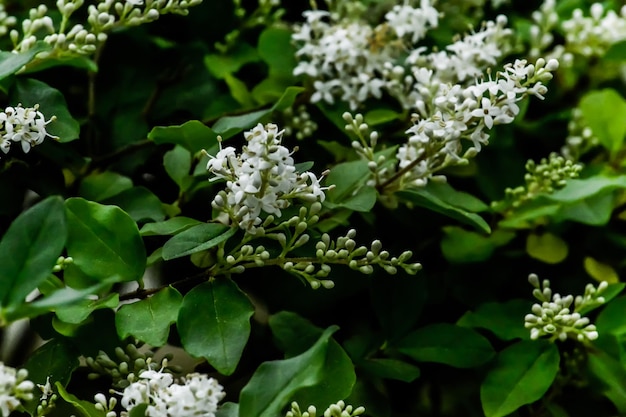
x: 14, y: 387
x: 262, y: 179
x: 26, y: 125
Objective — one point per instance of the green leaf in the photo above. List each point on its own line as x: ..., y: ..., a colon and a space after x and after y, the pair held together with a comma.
x: 611, y: 318
x: 177, y: 163
x: 102, y: 185
x: 51, y: 102
x: 56, y: 359
x: 277, y: 50
x: 380, y: 116
x: 104, y: 242
x: 77, y: 312
x: 149, y: 320
x: 197, y: 238
x: 169, y: 227
x: 448, y: 344
x: 228, y: 409
x: 600, y: 271
x: 398, y: 302
x: 84, y: 408
x: 424, y: 198
x: 608, y: 377
x: 10, y: 62
x: 229, y: 126
x: 547, y: 248
x: 390, y: 369
x: 346, y: 178
x: 192, y: 135
x: 616, y: 52
x: 363, y: 200
x: 604, y: 111
x: 520, y: 375
x: 458, y: 199
x: 214, y: 323
x: 139, y: 203
x: 502, y: 319
x: 29, y: 250
x: 274, y: 383
x: 462, y: 246
x: 239, y: 55
x: 294, y: 335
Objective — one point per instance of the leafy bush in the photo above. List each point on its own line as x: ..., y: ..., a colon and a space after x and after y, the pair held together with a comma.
x: 346, y: 208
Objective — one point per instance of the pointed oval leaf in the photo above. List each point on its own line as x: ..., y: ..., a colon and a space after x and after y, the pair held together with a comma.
x: 547, y: 248
x: 195, y: 239
x: 10, y: 63
x: 192, y: 135
x: 104, y: 241
x: 521, y: 374
x: 448, y: 344
x: 274, y: 383
x: 29, y: 250
x: 502, y: 319
x: 168, y: 227
x: 149, y: 320
x: 214, y: 323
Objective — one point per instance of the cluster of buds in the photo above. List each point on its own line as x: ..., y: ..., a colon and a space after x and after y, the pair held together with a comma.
x: 340, y: 409
x: 299, y: 123
x: 580, y: 137
x: 14, y: 389
x: 102, y: 18
x: 559, y: 317
x: 344, y: 250
x: 262, y: 179
x: 26, y: 125
x: 62, y: 263
x: 128, y: 362
x: 6, y: 21
x: 549, y: 175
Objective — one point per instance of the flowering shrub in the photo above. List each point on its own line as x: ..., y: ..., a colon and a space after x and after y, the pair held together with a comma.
x: 332, y: 208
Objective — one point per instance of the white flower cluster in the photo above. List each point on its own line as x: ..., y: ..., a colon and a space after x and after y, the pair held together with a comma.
x: 448, y: 114
x: 23, y: 124
x: 14, y: 388
x: 6, y: 21
x: 588, y: 34
x: 262, y: 178
x: 347, y: 58
x: 102, y: 17
x: 554, y: 316
x: 194, y: 395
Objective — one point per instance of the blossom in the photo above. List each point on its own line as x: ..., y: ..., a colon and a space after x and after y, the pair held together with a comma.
x: 26, y: 125
x: 14, y: 388
x: 194, y: 395
x: 261, y: 179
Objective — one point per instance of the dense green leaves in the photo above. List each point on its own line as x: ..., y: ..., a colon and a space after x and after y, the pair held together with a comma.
x: 275, y: 382
x: 610, y: 376
x: 520, y: 375
x: 104, y: 242
x: 214, y: 323
x: 29, y: 250
x: 448, y: 344
x: 149, y: 320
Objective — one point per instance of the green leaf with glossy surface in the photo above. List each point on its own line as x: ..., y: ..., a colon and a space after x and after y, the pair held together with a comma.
x: 104, y: 241
x: 29, y: 250
x: 77, y: 312
x: 169, y: 227
x: 274, y: 383
x: 424, y: 198
x: 84, y: 408
x: 294, y: 335
x: 448, y: 344
x: 149, y: 320
x: 177, y: 163
x: 502, y: 319
x: 214, y: 323
x: 51, y: 101
x: 10, y: 62
x: 390, y: 369
x: 520, y: 375
x: 463, y: 246
x: 346, y: 178
x: 192, y: 135
x: 139, y: 203
x: 604, y: 112
x: 102, y: 185
x: 197, y: 238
